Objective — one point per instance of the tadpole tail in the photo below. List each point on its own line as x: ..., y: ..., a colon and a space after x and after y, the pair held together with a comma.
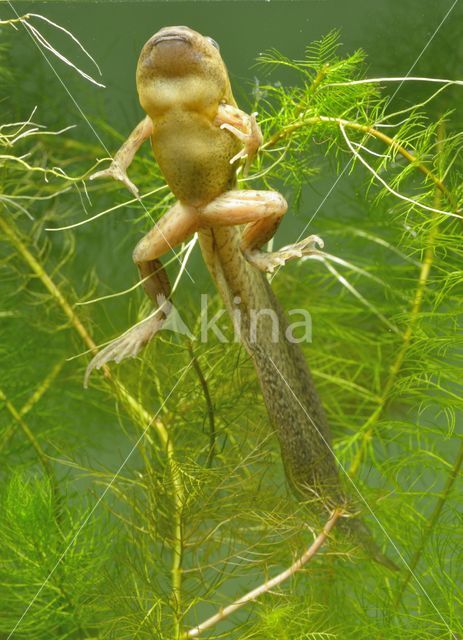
x: 294, y: 407
x: 361, y: 533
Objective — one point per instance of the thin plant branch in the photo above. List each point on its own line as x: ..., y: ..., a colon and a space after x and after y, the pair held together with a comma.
x: 445, y: 81
x: 137, y: 285
x: 366, y: 432
x: 41, y: 455
x: 25, y: 20
x: 178, y: 544
x: 454, y: 474
x: 386, y: 185
x: 319, y: 256
x: 133, y: 406
x: 122, y: 205
x: 269, y: 584
x: 34, y: 398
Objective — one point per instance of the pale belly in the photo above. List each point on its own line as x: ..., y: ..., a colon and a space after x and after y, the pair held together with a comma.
x: 194, y: 157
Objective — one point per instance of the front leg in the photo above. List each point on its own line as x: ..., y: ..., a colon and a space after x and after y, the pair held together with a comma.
x: 175, y: 227
x: 245, y: 128
x: 262, y: 212
x: 123, y: 158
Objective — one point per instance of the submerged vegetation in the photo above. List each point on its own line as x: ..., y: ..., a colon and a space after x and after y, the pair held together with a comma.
x: 178, y: 505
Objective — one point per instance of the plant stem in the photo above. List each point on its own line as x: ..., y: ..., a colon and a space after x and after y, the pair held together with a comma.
x: 48, y: 283
x: 454, y: 473
x: 35, y: 397
x: 269, y: 584
x: 131, y: 403
x: 13, y: 21
x: 177, y: 548
x: 450, y: 480
x: 41, y: 455
x: 367, y: 429
x: 321, y: 74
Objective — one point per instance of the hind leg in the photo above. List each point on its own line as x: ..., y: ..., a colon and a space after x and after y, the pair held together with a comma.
x: 174, y: 227
x: 262, y: 212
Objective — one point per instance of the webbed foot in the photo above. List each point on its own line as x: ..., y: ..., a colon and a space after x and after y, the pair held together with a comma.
x: 268, y: 262
x: 130, y: 343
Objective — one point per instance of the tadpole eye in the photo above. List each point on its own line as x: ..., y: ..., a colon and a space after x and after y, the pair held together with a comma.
x: 212, y: 41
